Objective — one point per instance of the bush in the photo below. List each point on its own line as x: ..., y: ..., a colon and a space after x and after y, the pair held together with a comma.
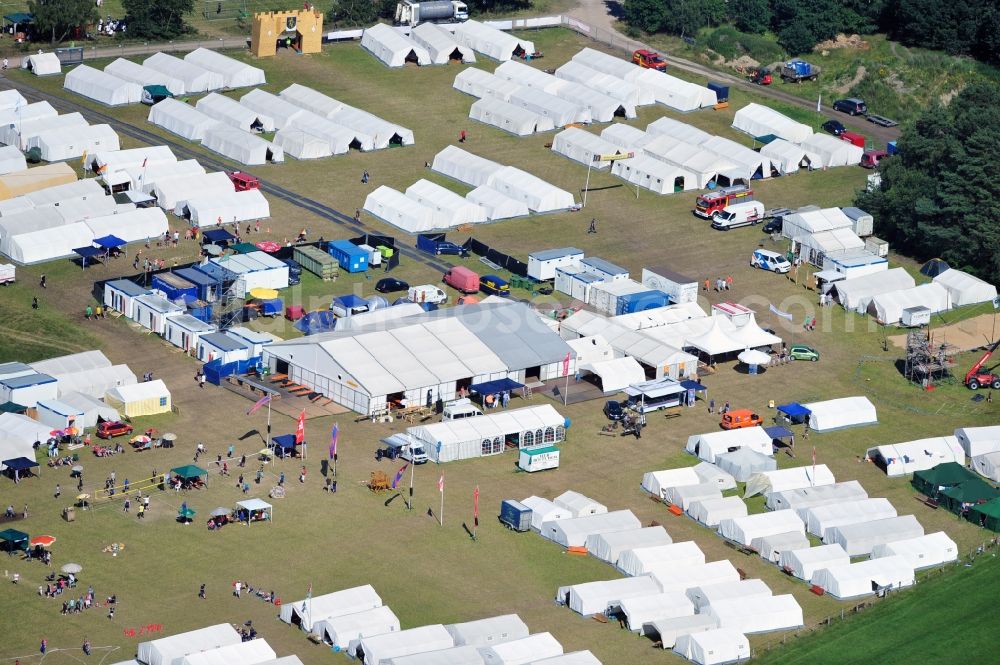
x: 725, y: 41
x: 730, y: 43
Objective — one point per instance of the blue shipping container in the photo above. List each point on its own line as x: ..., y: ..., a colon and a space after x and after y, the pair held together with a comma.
x: 350, y: 257
x: 515, y: 515
x: 640, y: 302
x: 174, y: 286
x: 201, y: 310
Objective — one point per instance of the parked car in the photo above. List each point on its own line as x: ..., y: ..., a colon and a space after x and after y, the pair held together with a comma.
x: 803, y: 352
x: 871, y: 158
x: 834, y: 127
x: 613, y: 410
x: 112, y: 428
x: 774, y: 225
x: 740, y: 418
x: 494, y: 285
x: 391, y: 285
x: 851, y: 105
x: 765, y: 259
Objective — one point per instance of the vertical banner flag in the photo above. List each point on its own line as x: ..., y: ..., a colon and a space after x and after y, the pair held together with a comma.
x: 259, y: 403
x: 475, y: 506
x: 334, y: 435
x: 441, y: 484
x: 300, y: 429
x: 399, y: 475
x: 566, y: 365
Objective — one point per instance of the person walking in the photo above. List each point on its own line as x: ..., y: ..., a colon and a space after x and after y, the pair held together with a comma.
x: 141, y: 513
x: 229, y: 453
x: 281, y: 479
x: 461, y: 136
x: 42, y: 282
x: 126, y: 506
x: 89, y: 312
x: 201, y: 592
x: 711, y: 405
x: 302, y: 474
x: 593, y: 226
x: 34, y: 302
x: 58, y: 491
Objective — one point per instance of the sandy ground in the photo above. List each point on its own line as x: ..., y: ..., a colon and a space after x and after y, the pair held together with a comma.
x: 966, y: 335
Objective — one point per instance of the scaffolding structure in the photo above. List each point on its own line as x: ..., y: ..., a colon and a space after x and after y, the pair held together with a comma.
x: 928, y: 361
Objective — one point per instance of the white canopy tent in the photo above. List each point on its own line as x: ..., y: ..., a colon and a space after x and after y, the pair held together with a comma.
x: 780, y: 480
x: 615, y: 375
x: 770, y: 547
x: 672, y: 578
x: 602, y: 107
x: 711, y: 511
x: 686, y: 495
x: 543, y: 510
x: 786, y: 157
x: 142, y: 76
x: 378, y: 648
x: 668, y: 630
x: 509, y: 117
x: 899, y: 459
x: 887, y: 308
x: 130, y: 225
x: 42, y: 64
x: 827, y: 151
x: 195, y: 77
x: 710, y: 473
x: 855, y: 293
x: 806, y: 497
x: 642, y: 560
x: 529, y: 76
x: 496, y: 205
x: 713, y: 647
x: 399, y: 210
x: 340, y: 138
x: 539, y: 195
x: 812, y: 219
x: 170, y: 192
x: 166, y: 650
x: 484, y: 632
x: 860, y: 539
x: 744, y: 529
x: 749, y: 164
x: 25, y: 133
x: 181, y: 119
x: 339, y: 631
x: 584, y: 147
x: 482, y: 84
x: 987, y: 465
x: 560, y: 111
x: 965, y: 289
x: 393, y: 48
x: 978, y: 441
x: 803, y: 563
x: 758, y: 120
x: 235, y: 74
x: 311, y: 100
x: 678, y: 130
x: 339, y: 603
x: 441, y: 45
x: 230, y: 112
x: 18, y: 435
x: 657, y: 482
x: 865, y: 577
x: 465, y: 167
x: 101, y: 87
x: 116, y: 160
x: 609, y: 546
x: 762, y: 614
x: 301, y: 144
x: 678, y: 94
x: 820, y: 519
x: 573, y: 532
x: 579, y: 505
x: 927, y: 551
x: 250, y: 652
x: 708, y: 445
x: 384, y: 133
x: 522, y: 651
x: 69, y: 142
x: 596, y: 597
x: 12, y: 120
x: 640, y: 610
x: 491, y: 42
x: 92, y: 408
x: 242, y: 147
x: 703, y: 596
x: 280, y: 110
x: 449, y: 209
x: 47, y: 244
x: 840, y: 413
x: 590, y: 74
x: 143, y: 179
x: 226, y: 206
x: 745, y: 462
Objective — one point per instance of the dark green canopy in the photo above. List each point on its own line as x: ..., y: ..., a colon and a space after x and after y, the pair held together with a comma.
x: 943, y: 476
x: 972, y: 491
x: 14, y: 540
x: 986, y: 515
x: 11, y: 407
x: 189, y: 471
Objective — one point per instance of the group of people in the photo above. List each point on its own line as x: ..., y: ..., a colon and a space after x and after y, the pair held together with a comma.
x: 721, y: 284
x: 94, y: 313
x: 724, y: 410
x: 492, y: 401
x: 110, y: 26
x: 239, y: 587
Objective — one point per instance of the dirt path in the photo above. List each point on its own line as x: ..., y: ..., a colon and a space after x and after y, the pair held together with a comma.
x: 966, y: 335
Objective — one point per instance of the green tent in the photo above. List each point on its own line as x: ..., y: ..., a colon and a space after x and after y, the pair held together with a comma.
x: 13, y: 540
x: 244, y: 248
x: 986, y: 515
x: 971, y: 492
x: 932, y: 481
x: 189, y: 472
x: 152, y: 94
x: 11, y: 407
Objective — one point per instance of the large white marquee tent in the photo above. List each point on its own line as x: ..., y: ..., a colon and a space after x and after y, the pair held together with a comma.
x: 101, y: 87
x: 965, y: 289
x: 235, y: 74
x: 900, y: 459
x: 496, y: 205
x: 643, y: 560
x: 230, y: 112
x: 42, y: 64
x: 820, y: 519
x: 856, y: 293
x: 537, y: 194
x: 383, y: 132
x: 340, y: 630
x: 781, y: 480
x: 608, y: 547
x: 840, y: 413
x: 583, y: 147
x: 927, y: 551
x: 449, y: 208
x: 464, y: 166
x: 195, y: 77
x: 169, y: 192
x: 393, y: 48
x: 226, y: 206
x: 978, y: 441
x: 396, y: 208
x: 596, y: 597
x: 441, y: 45
x: 760, y: 614
x: 573, y: 532
x: 828, y: 151
x: 744, y: 529
x: 758, y: 120
x: 640, y: 610
x: 707, y: 446
x: 561, y: 111
x: 859, y: 579
x: 506, y: 116
x: 242, y: 147
x: 807, y: 497
x: 860, y: 539
x: 282, y: 112
x: 480, y: 83
x: 340, y: 139
x: 166, y: 650
x: 300, y: 144
x: 143, y: 76
x: 311, y: 100
x: 491, y: 42
x: 887, y: 308
x: 803, y: 563
x: 181, y: 119
x: 713, y: 647
x: 339, y: 603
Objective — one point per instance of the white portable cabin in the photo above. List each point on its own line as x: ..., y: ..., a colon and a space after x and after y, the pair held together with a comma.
x: 300, y: 144
x: 976, y: 441
x: 70, y: 142
x: 542, y: 265
x: 828, y: 151
x: 195, y: 77
x: 311, y: 100
x: 799, y: 477
x: 281, y: 111
x: 672, y: 578
x: 42, y: 64
x: 179, y: 118
x: 888, y: 308
x: 449, y: 209
x: 584, y: 147
x: 642, y: 560
x: 744, y: 529
x: 803, y: 563
x: 854, y: 580
x: 242, y: 206
x: 579, y: 505
x: 686, y: 495
x: 166, y: 650
x: 338, y: 603
x: 58, y: 415
x: 485, y: 632
x: 573, y: 532
x: 491, y: 42
x: 497, y: 206
x: 539, y: 195
x: 860, y: 539
x: 640, y: 610
x: 235, y: 74
x: 806, y: 497
x: 927, y: 551
x: 597, y: 597
x: 770, y: 547
x: 608, y: 546
x: 101, y: 87
x: 152, y: 311
x: 384, y: 133
x: 170, y: 192
x: 441, y: 45
x: 762, y: 614
x: 840, y: 413
x: 509, y: 117
x: 713, y: 647
x: 91, y: 408
x: 223, y: 347
x: 340, y: 630
x: 230, y: 112
x: 183, y: 331
x: 255, y: 270
x: 900, y: 459
x: 242, y: 147
x: 711, y: 511
x: 543, y: 510
x: 703, y: 596
x: 143, y: 76
x: 393, y: 48
x: 249, y: 652
x: 256, y: 339
x: 463, y: 166
x: 758, y: 120
x: 560, y: 111
x: 522, y: 651
x: 119, y: 295
x: 965, y: 289
x: 378, y: 648
x: 396, y: 208
x: 484, y: 85
x: 708, y: 445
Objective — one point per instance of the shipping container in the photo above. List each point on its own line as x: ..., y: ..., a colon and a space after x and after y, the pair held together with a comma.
x: 208, y: 287
x: 317, y: 262
x: 680, y: 288
x: 575, y: 282
x: 877, y: 246
x: 515, y: 515
x: 606, y: 270
x: 542, y: 265
x: 349, y: 256
x: 604, y: 297
x: 640, y: 302
x: 864, y: 223
x: 174, y: 286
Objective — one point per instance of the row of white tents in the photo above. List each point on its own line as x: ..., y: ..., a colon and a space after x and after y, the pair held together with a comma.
x: 426, y: 44
x: 981, y: 445
x: 213, y: 645
x: 58, y: 137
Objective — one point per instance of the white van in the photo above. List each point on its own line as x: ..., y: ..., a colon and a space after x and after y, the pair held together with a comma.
x: 738, y: 214
x: 765, y: 259
x: 427, y: 293
x: 406, y: 447
x: 460, y: 408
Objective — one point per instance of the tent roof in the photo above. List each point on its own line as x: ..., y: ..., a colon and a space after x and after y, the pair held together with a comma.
x: 144, y: 76
x: 244, y: 653
x: 234, y: 73
x: 165, y: 650
x: 758, y: 120
x: 311, y: 100
x: 440, y: 43
x: 965, y: 288
x: 189, y: 471
x: 140, y: 391
x: 463, y: 165
x: 254, y: 504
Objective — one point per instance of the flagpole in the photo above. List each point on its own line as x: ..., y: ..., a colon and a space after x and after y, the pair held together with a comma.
x: 442, y: 499
x: 410, y: 505
x: 268, y: 443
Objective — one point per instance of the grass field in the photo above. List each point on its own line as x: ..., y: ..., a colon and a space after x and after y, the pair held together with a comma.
x: 428, y: 573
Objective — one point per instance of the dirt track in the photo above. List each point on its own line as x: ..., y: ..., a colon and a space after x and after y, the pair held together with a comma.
x: 966, y: 335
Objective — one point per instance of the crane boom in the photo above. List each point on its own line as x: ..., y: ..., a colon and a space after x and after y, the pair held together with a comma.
x: 973, y: 379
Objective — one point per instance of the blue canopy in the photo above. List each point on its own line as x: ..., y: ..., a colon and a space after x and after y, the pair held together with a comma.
x: 316, y: 322
x: 793, y: 409
x: 778, y: 432
x: 690, y: 384
x: 497, y: 386
x: 109, y: 242
x: 217, y: 236
x: 350, y: 300
x: 88, y: 252
x: 19, y: 463
x: 285, y: 441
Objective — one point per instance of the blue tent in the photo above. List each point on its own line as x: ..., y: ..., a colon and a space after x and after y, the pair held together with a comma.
x: 316, y: 322
x: 110, y: 242
x: 218, y: 236
x: 494, y: 387
x: 795, y: 412
x: 88, y: 253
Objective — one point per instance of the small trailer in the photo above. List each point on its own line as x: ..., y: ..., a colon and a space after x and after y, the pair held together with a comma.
x: 515, y: 515
x: 7, y: 273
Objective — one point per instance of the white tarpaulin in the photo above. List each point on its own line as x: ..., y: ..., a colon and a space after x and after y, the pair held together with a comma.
x: 609, y: 546
x: 574, y: 532
x: 393, y: 48
x: 932, y: 549
x: 758, y: 120
x: 143, y: 76
x: 711, y: 511
x: 860, y: 539
x: 181, y: 119
x: 596, y: 597
x: 230, y: 112
x: 887, y: 308
x: 642, y: 560
x: 840, y: 413
x: 804, y: 562
x: 713, y: 647
x: 511, y: 118
x: 799, y: 477
x: 899, y: 459
x: 965, y: 289
x: 761, y: 614
x: 101, y: 87
x: 440, y: 44
x: 865, y: 577
x: 196, y: 78
x: 708, y: 445
x: 641, y: 610
x: 448, y: 208
x: 744, y: 529
x: 235, y: 74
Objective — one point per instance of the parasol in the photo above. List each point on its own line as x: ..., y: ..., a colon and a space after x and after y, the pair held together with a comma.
x: 262, y: 293
x: 754, y: 357
x: 44, y: 541
x: 71, y: 568
x: 269, y: 246
x: 169, y: 436
x: 141, y: 438
x: 77, y: 469
x: 82, y: 497
x: 219, y: 512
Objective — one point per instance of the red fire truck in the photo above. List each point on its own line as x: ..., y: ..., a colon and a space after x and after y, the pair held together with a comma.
x: 708, y: 204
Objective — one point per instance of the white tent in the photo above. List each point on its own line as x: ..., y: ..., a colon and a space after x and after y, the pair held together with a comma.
x: 384, y: 133
x: 169, y: 192
x: 855, y: 293
x: 509, y: 117
x: 749, y: 164
x: 602, y: 107
x: 340, y: 138
x: 770, y: 547
x: 245, y: 653
x: 579, y: 505
x: 449, y: 209
x: 235, y: 74
x: 539, y: 195
x: 668, y: 630
x: 560, y: 111
x: 686, y: 495
x: 415, y: 640
x: 42, y: 64
x: 301, y: 144
x: 143, y: 179
x: 761, y: 614
x: 104, y: 88
x: 529, y: 76
x: 195, y: 77
x: 757, y: 120
x: 280, y: 110
x: 465, y: 167
x: 616, y: 87
x: 806, y: 497
x: 18, y: 435
x: 711, y: 511
x: 166, y: 650
x: 92, y: 408
x: 13, y: 121
x: 484, y: 632
x: 11, y: 98
x: 786, y: 157
x: 642, y: 560
x: 340, y: 630
x: 678, y: 130
x: 804, y: 562
x: 839, y: 413
x: 710, y: 473
x: 522, y: 651
x: 625, y: 136
x: 744, y: 529
x: 115, y: 160
x: 860, y: 539
x: 640, y: 610
x: 794, y: 478
x: 130, y: 225
x: 865, y: 577
x: 965, y: 289
x: 143, y: 76
x: 23, y: 134
x: 61, y: 144
x: 987, y: 465
x: 745, y: 462
x: 230, y: 112
x: 609, y: 546
x: 47, y: 244
x: 311, y: 100
x: 672, y: 578
x: 573, y: 532
x: 616, y: 374
x: 704, y: 167
x: 11, y: 159
x: 338, y: 603
x: 392, y: 47
x: 827, y: 151
x: 496, y: 205
x: 654, y: 174
x: 708, y: 445
x: 596, y: 597
x: 399, y: 210
x: 713, y: 647
x: 228, y: 206
x: 583, y: 147
x: 899, y: 459
x: 887, y: 308
x: 932, y: 549
x: 440, y: 44
x: 491, y: 42
x: 543, y: 510
x: 978, y: 441
x: 242, y: 147
x: 181, y: 119
x: 703, y: 596
x: 462, y: 655
x: 820, y: 519
x: 673, y: 92
x: 483, y: 84
x: 657, y: 482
